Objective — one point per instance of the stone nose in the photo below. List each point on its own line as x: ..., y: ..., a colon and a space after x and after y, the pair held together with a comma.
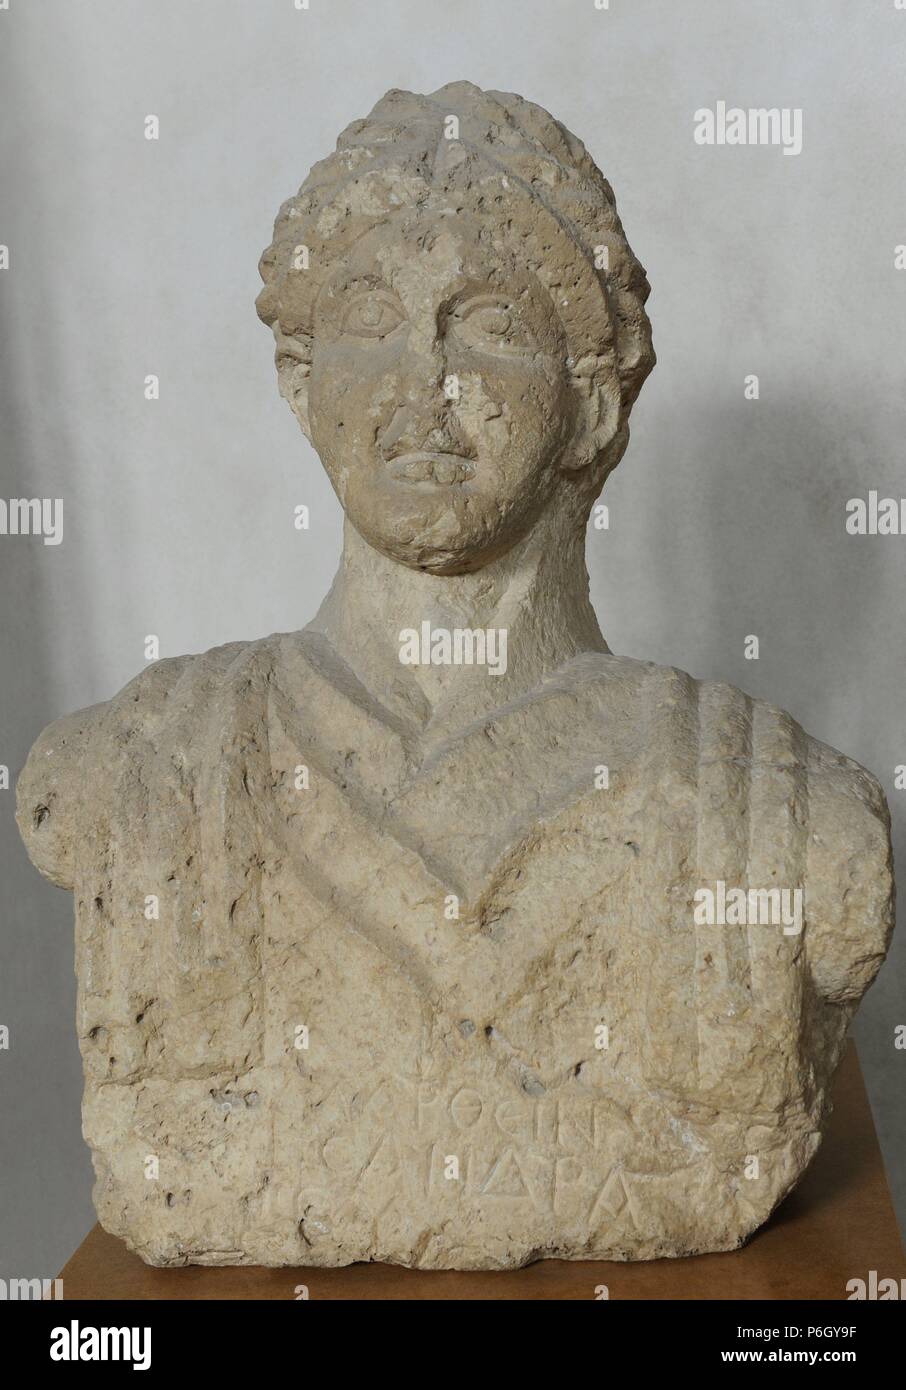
x: 423, y: 420
x: 422, y: 363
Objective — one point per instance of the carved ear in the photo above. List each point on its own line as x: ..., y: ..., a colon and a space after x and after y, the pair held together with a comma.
x: 598, y: 416
x: 293, y: 361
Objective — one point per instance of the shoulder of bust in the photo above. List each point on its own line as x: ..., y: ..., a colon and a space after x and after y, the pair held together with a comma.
x: 65, y: 787
x: 850, y: 892
x: 810, y: 815
x: 50, y: 787
x: 762, y: 804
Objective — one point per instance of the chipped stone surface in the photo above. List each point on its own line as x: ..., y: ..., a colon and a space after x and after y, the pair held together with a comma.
x: 397, y: 905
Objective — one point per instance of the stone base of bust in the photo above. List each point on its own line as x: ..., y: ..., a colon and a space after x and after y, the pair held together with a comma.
x: 301, y: 1060
x: 356, y: 1171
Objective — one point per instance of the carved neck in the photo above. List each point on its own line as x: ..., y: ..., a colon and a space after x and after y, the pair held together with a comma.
x: 537, y: 593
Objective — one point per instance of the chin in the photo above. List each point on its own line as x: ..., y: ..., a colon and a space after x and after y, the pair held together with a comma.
x: 447, y: 562
x: 435, y: 533
x: 425, y: 555
x: 454, y: 555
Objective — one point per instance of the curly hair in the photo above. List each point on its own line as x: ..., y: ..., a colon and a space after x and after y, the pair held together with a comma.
x: 524, y: 174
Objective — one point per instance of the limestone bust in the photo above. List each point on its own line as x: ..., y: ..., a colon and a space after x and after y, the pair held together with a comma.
x: 426, y: 978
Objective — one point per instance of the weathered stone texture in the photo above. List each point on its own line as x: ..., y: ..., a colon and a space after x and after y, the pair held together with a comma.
x: 318, y: 910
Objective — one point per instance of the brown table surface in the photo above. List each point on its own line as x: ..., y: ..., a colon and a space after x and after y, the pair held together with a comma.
x: 838, y: 1225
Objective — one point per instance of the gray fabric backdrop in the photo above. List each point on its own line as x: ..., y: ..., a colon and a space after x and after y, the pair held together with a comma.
x: 727, y: 517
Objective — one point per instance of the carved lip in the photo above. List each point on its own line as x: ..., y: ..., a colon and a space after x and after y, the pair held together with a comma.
x: 426, y: 467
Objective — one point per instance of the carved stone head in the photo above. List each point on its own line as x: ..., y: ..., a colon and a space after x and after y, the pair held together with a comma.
x: 460, y: 323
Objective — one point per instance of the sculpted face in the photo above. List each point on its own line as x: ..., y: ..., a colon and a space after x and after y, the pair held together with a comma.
x: 440, y: 396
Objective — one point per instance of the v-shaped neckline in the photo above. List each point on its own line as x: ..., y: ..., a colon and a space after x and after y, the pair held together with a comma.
x: 465, y: 829
x: 426, y: 744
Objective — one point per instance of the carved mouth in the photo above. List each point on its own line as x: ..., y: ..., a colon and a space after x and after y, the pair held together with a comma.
x: 432, y: 468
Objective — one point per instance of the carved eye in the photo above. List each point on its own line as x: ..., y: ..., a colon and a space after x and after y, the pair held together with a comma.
x: 493, y: 319
x: 373, y: 314
x: 490, y: 324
